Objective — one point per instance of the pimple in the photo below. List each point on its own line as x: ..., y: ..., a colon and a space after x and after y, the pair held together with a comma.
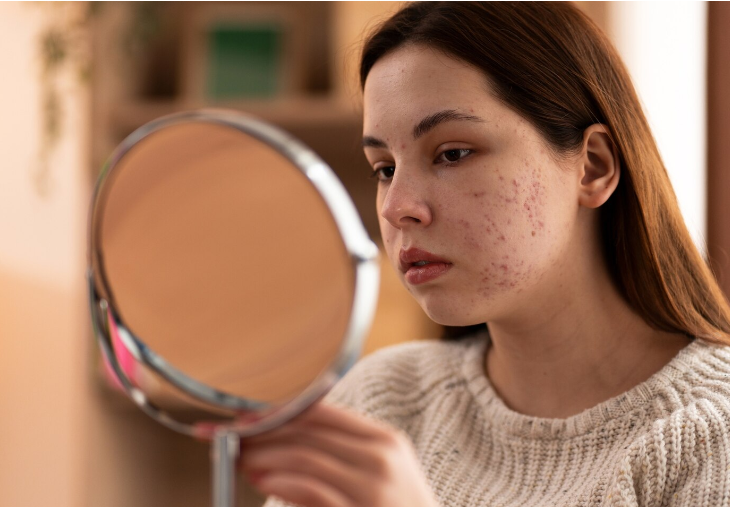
x: 479, y: 194
x: 501, y: 178
x: 514, y: 182
x: 501, y: 237
x: 503, y: 267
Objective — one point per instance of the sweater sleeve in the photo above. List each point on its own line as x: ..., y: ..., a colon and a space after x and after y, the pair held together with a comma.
x: 683, y: 461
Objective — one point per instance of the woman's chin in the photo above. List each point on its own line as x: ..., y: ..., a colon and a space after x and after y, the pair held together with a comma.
x: 448, y: 315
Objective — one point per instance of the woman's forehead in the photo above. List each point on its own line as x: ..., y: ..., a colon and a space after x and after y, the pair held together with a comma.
x: 413, y: 82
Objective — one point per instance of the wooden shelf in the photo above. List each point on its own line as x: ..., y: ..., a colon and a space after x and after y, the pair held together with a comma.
x: 291, y: 112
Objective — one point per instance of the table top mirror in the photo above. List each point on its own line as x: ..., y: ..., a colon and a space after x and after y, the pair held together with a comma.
x: 231, y: 281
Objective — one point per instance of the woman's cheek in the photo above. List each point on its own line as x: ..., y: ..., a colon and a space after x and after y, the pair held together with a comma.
x: 509, y: 234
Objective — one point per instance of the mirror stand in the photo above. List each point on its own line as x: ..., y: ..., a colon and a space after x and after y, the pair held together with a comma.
x: 225, y: 449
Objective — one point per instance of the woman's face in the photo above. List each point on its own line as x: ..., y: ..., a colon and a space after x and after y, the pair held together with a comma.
x: 477, y: 215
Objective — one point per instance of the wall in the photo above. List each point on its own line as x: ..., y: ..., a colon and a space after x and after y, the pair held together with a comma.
x: 42, y: 313
x: 664, y: 47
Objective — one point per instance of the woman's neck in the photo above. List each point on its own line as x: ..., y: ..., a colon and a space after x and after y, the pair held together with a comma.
x: 579, y: 345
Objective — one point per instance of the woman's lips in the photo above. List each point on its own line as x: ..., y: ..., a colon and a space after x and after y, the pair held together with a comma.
x: 420, y: 266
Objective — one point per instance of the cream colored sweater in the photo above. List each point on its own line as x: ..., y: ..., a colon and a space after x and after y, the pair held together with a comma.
x: 666, y: 442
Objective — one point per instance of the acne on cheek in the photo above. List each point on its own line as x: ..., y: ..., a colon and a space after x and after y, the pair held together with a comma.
x: 535, y: 203
x: 505, y: 274
x: 471, y: 240
x: 530, y: 193
x: 524, y: 198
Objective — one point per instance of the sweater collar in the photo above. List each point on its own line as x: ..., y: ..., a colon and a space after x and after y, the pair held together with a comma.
x: 669, y: 382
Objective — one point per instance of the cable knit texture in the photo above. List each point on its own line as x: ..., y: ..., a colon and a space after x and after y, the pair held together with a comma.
x: 666, y: 442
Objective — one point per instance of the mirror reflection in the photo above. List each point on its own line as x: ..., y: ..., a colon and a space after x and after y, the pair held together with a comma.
x: 205, y: 240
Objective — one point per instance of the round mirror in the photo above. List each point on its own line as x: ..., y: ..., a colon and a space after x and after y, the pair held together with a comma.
x: 231, y: 279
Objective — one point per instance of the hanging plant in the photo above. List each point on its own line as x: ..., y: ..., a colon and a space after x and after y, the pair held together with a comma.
x: 65, y: 45
x: 62, y: 43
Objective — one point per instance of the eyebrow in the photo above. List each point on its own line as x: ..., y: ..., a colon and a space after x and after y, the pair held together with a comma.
x: 425, y: 125
x: 432, y: 120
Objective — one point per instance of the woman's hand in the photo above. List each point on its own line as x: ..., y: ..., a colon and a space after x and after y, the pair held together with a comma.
x: 331, y: 457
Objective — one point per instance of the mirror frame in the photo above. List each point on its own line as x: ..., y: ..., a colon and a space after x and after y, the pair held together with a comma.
x: 362, y: 251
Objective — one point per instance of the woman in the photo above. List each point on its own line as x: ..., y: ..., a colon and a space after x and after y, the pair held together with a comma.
x: 519, y: 185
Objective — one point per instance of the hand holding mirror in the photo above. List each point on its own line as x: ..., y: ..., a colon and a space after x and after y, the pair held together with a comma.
x: 231, y: 280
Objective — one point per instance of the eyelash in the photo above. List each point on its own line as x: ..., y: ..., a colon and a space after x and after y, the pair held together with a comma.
x: 378, y: 173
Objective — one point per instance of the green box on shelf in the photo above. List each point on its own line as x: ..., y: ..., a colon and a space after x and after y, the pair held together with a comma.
x: 244, y: 61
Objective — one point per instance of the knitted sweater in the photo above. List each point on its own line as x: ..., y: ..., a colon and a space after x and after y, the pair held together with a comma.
x: 665, y: 442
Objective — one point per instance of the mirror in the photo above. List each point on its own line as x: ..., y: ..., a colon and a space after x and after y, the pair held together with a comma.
x: 231, y: 280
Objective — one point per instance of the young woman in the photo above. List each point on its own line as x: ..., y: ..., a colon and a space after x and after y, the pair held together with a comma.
x: 519, y: 185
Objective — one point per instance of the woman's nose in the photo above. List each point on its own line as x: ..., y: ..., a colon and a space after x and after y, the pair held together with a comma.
x: 405, y: 205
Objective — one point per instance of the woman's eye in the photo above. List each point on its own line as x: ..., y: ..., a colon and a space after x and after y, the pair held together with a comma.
x: 450, y: 156
x: 383, y: 173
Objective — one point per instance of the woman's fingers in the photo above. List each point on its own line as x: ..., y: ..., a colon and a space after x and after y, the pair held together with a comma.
x: 340, y: 419
x: 343, y: 446
x: 330, y: 456
x: 301, y: 490
x: 305, y: 461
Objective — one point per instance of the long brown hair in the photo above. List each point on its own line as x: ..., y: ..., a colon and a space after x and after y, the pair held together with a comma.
x: 551, y: 64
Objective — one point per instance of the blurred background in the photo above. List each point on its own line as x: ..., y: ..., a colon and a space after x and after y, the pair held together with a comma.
x: 76, y: 78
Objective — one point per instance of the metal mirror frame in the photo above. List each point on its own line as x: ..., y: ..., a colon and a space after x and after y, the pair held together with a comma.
x: 362, y: 251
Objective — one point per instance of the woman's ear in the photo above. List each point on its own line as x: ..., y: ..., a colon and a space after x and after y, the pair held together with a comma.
x: 600, y: 167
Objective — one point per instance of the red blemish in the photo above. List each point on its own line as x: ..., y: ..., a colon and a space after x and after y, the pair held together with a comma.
x: 501, y: 178
x: 501, y: 237
x: 489, y: 229
x: 514, y: 182
x: 479, y: 194
x: 503, y: 267
x: 509, y: 221
x: 541, y: 224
